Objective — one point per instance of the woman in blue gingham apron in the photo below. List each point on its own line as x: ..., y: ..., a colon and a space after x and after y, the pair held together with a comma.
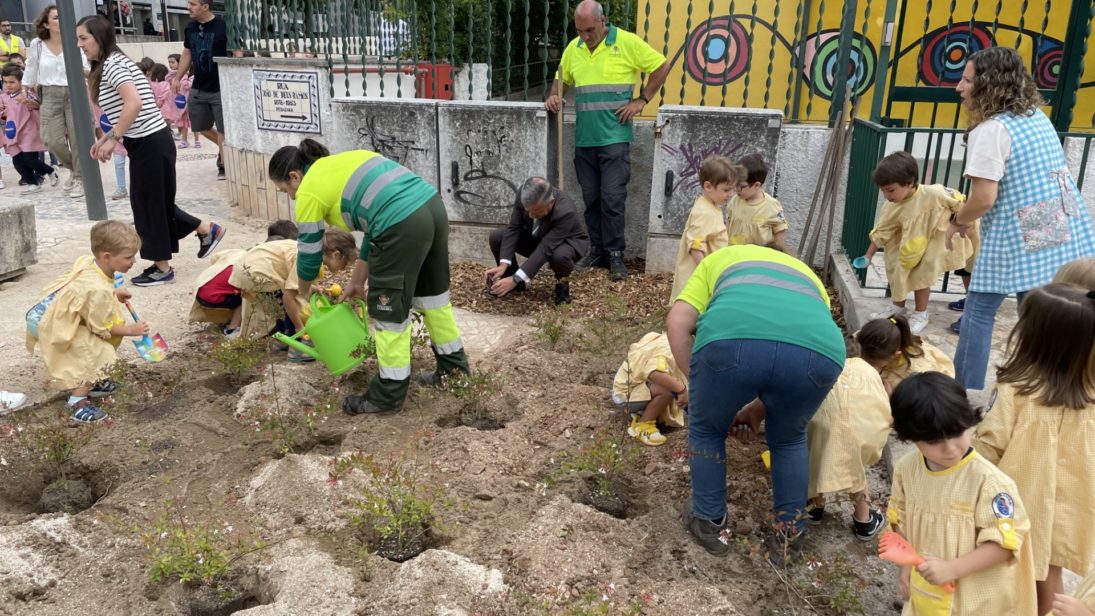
x: 1033, y: 219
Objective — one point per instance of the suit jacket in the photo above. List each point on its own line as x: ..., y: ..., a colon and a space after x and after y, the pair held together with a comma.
x: 562, y: 225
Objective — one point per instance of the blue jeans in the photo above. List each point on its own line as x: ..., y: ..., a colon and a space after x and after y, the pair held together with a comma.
x: 971, y: 358
x: 791, y: 381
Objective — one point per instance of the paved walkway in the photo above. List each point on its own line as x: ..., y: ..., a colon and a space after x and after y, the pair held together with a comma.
x: 63, y: 227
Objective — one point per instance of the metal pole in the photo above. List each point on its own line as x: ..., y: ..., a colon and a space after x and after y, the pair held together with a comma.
x: 888, y: 43
x: 1072, y: 65
x: 81, y: 113
x: 840, y: 79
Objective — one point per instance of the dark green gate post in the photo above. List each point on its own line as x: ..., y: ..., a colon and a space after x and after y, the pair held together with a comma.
x: 840, y: 79
x: 1072, y: 63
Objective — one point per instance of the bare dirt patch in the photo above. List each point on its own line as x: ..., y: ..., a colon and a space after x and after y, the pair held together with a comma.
x: 511, y: 531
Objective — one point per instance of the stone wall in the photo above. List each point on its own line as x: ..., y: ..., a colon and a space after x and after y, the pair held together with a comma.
x: 496, y: 145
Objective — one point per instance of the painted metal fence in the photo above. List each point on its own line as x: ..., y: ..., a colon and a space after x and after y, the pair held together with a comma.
x: 901, y: 58
x: 941, y: 154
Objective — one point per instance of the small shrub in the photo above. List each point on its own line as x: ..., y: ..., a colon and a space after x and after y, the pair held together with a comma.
x: 606, y: 458
x: 238, y: 356
x: 193, y: 553
x: 52, y: 444
x: 551, y: 324
x: 289, y: 427
x: 475, y: 390
x: 397, y: 509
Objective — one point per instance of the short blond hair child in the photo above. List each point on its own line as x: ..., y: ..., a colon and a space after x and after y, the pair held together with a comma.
x: 912, y: 228
x: 705, y: 231
x: 651, y: 387
x: 1079, y: 272
x: 1041, y: 427
x: 756, y: 217
x: 78, y: 324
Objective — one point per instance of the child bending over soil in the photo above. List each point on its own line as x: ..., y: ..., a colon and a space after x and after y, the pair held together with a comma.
x: 78, y: 324
x: 651, y: 387
x: 258, y: 288
x: 845, y: 437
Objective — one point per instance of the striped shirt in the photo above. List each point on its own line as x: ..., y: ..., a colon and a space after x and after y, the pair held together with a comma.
x: 118, y: 70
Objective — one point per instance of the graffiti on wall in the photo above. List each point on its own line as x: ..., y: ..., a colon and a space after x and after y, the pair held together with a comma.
x: 689, y: 158
x: 480, y: 185
x: 387, y: 144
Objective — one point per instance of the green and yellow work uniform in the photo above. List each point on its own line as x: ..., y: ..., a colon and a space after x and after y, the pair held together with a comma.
x: 406, y: 246
x: 10, y: 48
x: 604, y: 79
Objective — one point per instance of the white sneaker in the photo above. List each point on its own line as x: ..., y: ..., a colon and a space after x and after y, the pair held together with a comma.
x: 53, y: 179
x: 10, y: 400
x: 77, y: 190
x: 119, y: 194
x: 33, y: 188
x: 891, y: 311
x: 69, y: 181
x: 918, y: 321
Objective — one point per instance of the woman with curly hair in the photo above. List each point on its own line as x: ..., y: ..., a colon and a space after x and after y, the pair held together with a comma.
x: 1033, y: 219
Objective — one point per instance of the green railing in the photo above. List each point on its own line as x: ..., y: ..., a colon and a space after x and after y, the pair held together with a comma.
x: 902, y: 57
x: 935, y: 149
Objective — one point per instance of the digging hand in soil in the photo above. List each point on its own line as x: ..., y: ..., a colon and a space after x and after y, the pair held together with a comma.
x: 746, y: 424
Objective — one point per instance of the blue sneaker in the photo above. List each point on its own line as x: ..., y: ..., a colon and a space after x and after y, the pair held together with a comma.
x: 956, y: 327
x: 209, y: 241
x: 153, y: 277
x: 87, y: 413
x: 958, y: 306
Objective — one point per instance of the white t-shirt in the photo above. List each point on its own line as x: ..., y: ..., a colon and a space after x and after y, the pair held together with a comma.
x: 46, y: 69
x: 117, y: 71
x: 987, y: 150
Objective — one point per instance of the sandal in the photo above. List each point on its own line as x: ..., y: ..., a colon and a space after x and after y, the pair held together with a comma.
x: 87, y: 413
x: 299, y: 357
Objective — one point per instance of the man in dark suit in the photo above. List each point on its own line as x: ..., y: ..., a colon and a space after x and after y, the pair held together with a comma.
x: 545, y: 227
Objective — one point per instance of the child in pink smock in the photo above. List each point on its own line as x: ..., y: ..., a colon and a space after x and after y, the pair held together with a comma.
x: 22, y: 137
x: 175, y: 115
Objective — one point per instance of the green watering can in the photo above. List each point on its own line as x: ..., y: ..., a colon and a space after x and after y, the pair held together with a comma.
x: 339, y: 335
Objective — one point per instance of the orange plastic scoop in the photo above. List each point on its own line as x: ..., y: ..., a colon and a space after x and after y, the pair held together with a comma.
x: 894, y: 548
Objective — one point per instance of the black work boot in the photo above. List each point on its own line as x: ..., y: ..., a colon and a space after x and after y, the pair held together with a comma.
x: 590, y: 261
x: 616, y: 268
x: 562, y: 293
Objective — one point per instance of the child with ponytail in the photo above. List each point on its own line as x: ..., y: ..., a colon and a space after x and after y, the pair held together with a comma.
x: 1041, y: 428
x: 890, y: 346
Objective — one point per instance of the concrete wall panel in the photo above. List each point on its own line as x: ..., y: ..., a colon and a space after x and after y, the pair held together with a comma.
x: 487, y: 149
x: 404, y: 130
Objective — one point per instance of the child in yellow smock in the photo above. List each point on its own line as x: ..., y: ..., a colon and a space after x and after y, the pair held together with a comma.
x: 78, y: 324
x: 266, y: 276
x: 1081, y: 603
x: 705, y: 231
x: 956, y: 509
x: 1040, y: 428
x: 215, y: 300
x: 846, y: 436
x: 651, y: 387
x: 912, y: 227
x: 889, y: 345
x: 755, y: 217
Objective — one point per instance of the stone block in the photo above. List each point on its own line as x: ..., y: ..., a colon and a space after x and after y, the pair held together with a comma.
x: 486, y: 151
x: 18, y: 237
x: 469, y: 242
x: 404, y: 130
x: 688, y: 135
